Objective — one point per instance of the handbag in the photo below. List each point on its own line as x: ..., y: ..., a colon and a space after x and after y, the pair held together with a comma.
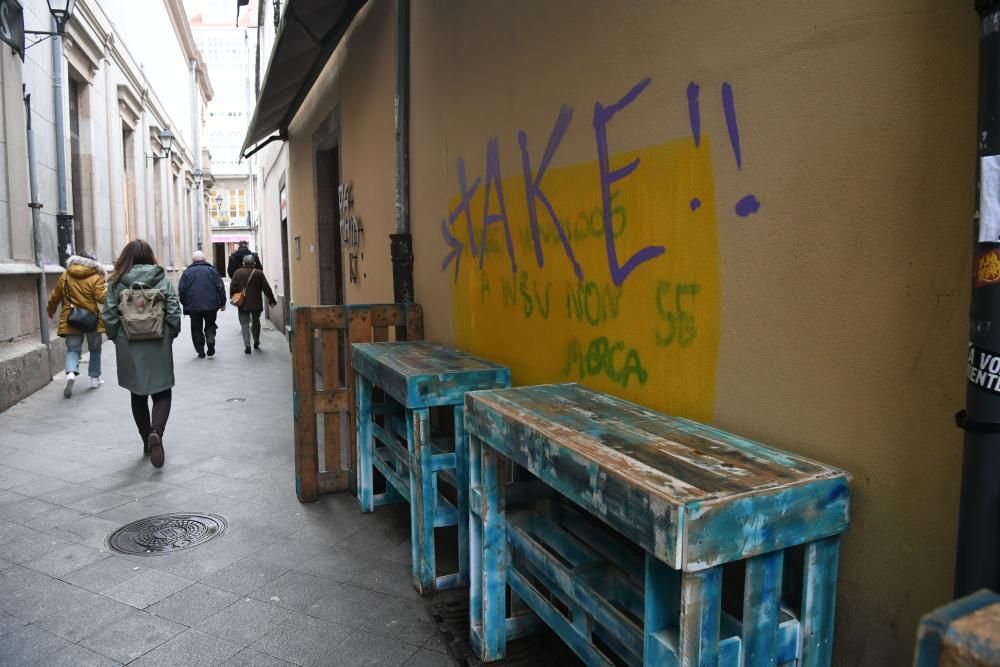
x: 81, y: 318
x: 237, y: 299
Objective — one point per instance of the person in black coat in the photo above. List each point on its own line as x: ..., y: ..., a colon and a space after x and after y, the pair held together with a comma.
x: 236, y: 259
x: 202, y: 295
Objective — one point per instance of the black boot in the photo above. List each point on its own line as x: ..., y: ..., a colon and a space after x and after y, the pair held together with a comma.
x: 246, y: 350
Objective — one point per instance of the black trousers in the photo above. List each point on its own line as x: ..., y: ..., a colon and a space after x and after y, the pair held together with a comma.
x: 203, y: 328
x: 161, y: 410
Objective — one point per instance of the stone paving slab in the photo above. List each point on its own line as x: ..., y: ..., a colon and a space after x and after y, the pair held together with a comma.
x: 286, y: 584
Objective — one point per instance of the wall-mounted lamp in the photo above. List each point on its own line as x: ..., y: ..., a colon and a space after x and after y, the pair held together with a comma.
x: 196, y: 177
x: 61, y: 11
x: 166, y: 142
x: 218, y: 202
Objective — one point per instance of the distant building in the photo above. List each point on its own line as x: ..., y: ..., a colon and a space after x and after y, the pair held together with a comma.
x: 228, y: 50
x: 126, y: 77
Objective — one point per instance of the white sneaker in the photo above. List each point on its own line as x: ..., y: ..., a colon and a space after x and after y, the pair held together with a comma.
x: 96, y: 382
x: 68, y: 389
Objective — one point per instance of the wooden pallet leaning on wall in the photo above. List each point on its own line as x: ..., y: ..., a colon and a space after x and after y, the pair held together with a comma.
x: 321, y: 345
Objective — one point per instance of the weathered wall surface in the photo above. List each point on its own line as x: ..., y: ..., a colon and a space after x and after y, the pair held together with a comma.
x: 767, y: 216
x: 359, y: 81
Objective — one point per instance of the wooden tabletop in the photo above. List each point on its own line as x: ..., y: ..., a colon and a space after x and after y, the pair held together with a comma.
x: 692, y: 494
x: 424, y: 374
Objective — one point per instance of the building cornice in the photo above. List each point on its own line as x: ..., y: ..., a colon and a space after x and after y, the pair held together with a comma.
x: 179, y: 21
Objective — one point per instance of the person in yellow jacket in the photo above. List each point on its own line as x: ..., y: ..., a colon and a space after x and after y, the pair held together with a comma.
x: 83, y: 285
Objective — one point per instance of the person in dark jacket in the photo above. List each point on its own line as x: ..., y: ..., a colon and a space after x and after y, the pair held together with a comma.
x: 202, y: 295
x: 254, y: 282
x: 236, y: 259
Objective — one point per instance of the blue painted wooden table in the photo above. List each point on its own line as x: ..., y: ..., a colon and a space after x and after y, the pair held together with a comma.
x: 964, y: 632
x: 621, y: 534
x: 417, y: 377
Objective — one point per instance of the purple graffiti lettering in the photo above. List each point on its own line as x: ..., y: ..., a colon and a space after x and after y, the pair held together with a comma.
x: 693, y: 113
x: 456, y: 249
x: 734, y: 130
x: 747, y: 206
x: 493, y: 177
x: 602, y: 116
x: 695, y: 204
x: 466, y: 195
x: 533, y: 188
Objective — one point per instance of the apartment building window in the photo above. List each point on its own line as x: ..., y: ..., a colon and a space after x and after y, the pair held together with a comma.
x: 238, y: 204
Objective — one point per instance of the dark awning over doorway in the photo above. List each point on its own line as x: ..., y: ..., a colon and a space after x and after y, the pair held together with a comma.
x: 309, y: 32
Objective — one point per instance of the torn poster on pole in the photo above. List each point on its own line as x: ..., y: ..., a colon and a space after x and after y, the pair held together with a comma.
x: 989, y: 199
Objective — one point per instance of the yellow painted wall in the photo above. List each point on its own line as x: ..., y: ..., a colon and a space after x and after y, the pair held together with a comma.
x: 830, y: 322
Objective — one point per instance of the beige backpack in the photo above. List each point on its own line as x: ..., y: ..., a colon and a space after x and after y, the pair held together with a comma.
x: 141, y: 309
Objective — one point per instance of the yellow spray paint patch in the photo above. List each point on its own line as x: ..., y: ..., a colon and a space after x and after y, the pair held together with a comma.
x: 655, y: 338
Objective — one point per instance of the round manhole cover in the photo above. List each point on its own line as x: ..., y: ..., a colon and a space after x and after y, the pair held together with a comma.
x: 166, y: 533
x: 236, y: 399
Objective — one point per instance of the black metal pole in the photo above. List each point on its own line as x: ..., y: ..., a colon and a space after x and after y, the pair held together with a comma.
x: 977, y: 563
x: 401, y: 243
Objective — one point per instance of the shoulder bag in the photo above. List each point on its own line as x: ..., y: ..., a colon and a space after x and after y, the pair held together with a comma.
x: 79, y: 317
x: 237, y: 299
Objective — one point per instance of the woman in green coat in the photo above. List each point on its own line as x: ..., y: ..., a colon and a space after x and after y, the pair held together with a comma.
x: 145, y: 367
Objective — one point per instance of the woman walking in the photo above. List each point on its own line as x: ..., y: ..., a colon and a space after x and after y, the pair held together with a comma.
x: 251, y: 282
x: 145, y: 367
x: 81, y: 285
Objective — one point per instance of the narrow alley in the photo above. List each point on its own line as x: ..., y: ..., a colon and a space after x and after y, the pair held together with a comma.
x: 286, y: 583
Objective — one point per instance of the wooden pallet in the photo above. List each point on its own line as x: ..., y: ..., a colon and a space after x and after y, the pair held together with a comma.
x: 321, y: 346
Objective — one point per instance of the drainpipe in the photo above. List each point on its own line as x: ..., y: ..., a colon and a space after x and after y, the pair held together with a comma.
x: 196, y: 134
x: 978, y: 558
x: 36, y: 231
x: 401, y: 243
x: 64, y: 219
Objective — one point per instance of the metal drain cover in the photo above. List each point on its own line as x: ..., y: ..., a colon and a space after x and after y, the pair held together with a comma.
x: 166, y: 533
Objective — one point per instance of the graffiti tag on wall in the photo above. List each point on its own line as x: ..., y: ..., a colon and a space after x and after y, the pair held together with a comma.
x: 606, y: 272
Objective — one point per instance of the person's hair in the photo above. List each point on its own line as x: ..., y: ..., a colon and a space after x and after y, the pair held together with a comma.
x: 198, y: 256
x: 249, y: 259
x: 136, y: 252
x: 244, y: 243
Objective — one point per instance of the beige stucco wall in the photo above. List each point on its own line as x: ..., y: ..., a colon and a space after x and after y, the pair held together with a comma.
x: 832, y: 322
x: 360, y: 78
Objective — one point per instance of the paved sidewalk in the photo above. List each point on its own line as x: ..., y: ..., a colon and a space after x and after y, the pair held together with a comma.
x: 315, y: 584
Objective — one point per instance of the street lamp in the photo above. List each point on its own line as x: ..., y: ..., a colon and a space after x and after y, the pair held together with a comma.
x: 166, y: 140
x: 61, y: 11
x: 218, y: 202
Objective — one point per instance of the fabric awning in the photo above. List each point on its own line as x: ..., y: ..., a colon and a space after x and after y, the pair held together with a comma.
x: 309, y: 32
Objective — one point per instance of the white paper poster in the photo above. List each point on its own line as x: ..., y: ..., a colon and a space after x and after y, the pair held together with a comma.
x: 989, y: 199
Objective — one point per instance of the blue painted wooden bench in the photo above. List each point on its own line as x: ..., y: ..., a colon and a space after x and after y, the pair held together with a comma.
x: 621, y: 535
x: 416, y: 377
x: 964, y: 632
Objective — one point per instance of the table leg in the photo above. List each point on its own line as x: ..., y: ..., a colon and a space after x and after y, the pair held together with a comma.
x: 462, y: 481
x: 494, y: 555
x: 423, y: 500
x: 761, y: 609
x: 475, y: 545
x: 701, y: 608
x: 819, y: 594
x: 365, y: 444
x: 662, y: 596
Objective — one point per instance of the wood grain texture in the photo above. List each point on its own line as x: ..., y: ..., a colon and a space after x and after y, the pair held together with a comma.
x: 964, y: 633
x: 692, y: 495
x: 337, y: 327
x: 424, y: 374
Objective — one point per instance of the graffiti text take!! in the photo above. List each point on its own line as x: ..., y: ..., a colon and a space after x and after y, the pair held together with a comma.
x: 604, y: 272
